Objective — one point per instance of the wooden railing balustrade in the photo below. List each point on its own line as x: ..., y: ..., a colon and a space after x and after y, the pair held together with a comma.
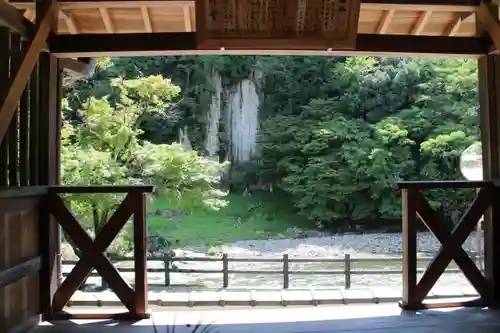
x: 93, y: 251
x: 342, y: 266
x: 415, y: 207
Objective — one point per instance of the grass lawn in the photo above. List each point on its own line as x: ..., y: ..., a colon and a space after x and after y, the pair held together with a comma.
x: 256, y: 216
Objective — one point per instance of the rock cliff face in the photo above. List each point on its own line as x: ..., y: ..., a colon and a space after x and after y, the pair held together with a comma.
x: 236, y: 106
x: 213, y: 118
x: 69, y: 76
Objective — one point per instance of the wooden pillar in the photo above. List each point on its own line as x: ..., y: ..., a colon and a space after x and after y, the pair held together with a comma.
x: 140, y: 254
x: 49, y: 141
x: 12, y: 135
x: 489, y: 96
x: 4, y: 88
x: 49, y: 115
x: 410, y: 220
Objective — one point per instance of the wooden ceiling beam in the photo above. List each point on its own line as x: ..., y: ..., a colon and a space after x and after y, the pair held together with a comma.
x: 455, y: 25
x: 187, y: 18
x: 427, y: 46
x: 411, y: 5
x: 11, y: 18
x: 385, y: 22
x: 419, y: 25
x: 84, y: 45
x: 489, y: 21
x: 108, y: 4
x: 419, y: 5
x: 147, y: 19
x: 70, y: 22
x: 106, y: 20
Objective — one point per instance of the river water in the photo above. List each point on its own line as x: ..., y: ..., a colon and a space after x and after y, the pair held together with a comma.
x: 374, y: 245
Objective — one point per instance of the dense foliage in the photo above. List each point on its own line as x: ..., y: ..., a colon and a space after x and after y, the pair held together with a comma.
x: 372, y: 122
x: 336, y: 133
x: 101, y: 144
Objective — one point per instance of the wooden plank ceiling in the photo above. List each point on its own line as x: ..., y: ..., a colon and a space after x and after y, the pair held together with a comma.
x: 159, y: 16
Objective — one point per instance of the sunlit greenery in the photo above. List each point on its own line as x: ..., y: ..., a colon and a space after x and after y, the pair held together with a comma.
x: 336, y: 135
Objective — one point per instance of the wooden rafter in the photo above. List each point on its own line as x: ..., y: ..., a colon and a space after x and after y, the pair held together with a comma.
x: 385, y: 22
x: 22, y: 76
x: 187, y: 18
x: 421, y: 22
x: 489, y: 21
x: 454, y: 26
x: 107, y: 20
x: 147, y: 20
x: 108, y: 4
x: 177, y: 15
x: 14, y: 20
x: 70, y: 22
x: 419, y: 5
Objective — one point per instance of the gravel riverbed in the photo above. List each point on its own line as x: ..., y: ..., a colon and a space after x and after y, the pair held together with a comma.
x: 368, y: 245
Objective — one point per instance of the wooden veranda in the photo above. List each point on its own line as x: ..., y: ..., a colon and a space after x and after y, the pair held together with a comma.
x: 39, y: 39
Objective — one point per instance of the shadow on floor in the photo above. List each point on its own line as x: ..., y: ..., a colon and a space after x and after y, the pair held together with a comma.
x: 351, y: 318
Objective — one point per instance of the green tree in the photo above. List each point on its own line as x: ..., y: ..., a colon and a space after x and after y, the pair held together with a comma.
x: 104, y: 147
x: 356, y: 124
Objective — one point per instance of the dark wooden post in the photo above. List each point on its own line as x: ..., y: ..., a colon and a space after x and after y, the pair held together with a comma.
x: 489, y: 96
x: 24, y: 137
x: 489, y: 114
x: 225, y: 271
x: 409, y: 249
x: 166, y: 263
x: 286, y: 271
x: 12, y: 136
x: 140, y: 254
x: 48, y: 139
x: 34, y: 127
x: 49, y: 113
x: 4, y: 88
x: 347, y: 271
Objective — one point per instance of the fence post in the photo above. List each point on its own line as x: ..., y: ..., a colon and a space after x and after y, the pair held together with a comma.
x: 166, y: 262
x: 286, y: 274
x: 225, y: 271
x: 104, y: 284
x: 347, y: 270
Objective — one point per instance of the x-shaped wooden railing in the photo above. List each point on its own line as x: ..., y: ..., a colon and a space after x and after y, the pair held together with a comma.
x: 93, y: 252
x: 415, y: 206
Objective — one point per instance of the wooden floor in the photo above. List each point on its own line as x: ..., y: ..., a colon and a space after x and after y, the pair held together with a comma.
x: 387, y: 318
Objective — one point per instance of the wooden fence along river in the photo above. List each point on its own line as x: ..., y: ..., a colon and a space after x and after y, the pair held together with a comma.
x: 344, y: 262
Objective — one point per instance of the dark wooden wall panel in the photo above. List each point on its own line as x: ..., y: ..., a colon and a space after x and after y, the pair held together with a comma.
x: 19, y: 243
x: 28, y: 159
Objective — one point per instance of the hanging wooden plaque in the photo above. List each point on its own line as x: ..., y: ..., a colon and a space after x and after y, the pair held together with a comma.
x: 277, y: 24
